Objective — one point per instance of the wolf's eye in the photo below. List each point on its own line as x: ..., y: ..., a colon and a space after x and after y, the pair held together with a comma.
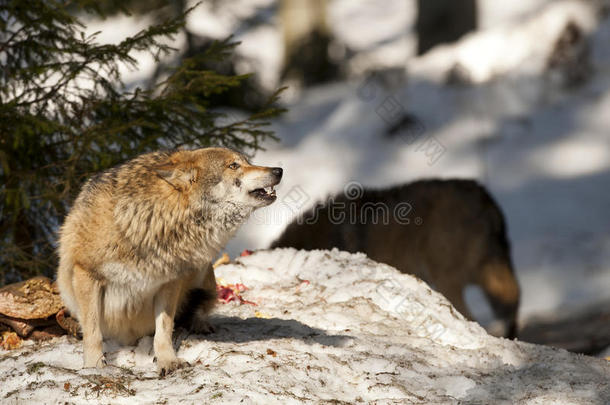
x: 234, y: 166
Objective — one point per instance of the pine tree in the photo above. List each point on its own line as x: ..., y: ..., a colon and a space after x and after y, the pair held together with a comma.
x: 65, y: 114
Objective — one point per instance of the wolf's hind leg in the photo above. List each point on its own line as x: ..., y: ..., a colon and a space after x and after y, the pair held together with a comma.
x: 88, y: 295
x: 194, y: 312
x: 198, y: 303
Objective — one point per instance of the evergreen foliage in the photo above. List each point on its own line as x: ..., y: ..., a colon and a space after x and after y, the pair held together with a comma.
x: 65, y: 114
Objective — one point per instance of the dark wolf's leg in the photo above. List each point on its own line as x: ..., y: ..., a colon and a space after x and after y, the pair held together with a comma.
x: 455, y: 294
x: 88, y: 295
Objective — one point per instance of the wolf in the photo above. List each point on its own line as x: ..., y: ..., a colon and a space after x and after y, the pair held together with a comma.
x: 450, y: 233
x: 138, y: 243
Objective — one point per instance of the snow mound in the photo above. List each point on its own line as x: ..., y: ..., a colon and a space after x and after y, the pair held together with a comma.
x: 329, y: 326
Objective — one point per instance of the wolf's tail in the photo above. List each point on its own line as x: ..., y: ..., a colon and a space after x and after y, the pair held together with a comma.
x: 64, y: 282
x: 65, y: 273
x: 497, y: 276
x: 502, y: 290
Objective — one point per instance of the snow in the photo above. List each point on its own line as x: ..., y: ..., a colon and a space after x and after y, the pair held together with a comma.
x: 358, y: 331
x: 492, y: 13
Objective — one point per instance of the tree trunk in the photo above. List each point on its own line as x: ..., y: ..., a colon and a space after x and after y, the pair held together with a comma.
x: 443, y: 21
x: 306, y: 41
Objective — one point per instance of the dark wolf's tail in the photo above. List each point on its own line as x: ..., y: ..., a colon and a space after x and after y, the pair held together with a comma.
x: 502, y: 290
x: 497, y: 276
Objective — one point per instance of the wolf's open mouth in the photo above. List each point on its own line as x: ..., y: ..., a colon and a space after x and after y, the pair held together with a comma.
x: 267, y: 193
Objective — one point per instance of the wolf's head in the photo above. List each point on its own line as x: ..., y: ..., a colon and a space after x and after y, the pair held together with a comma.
x: 213, y: 176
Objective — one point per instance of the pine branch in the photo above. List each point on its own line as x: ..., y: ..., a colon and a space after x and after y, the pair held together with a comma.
x: 65, y: 114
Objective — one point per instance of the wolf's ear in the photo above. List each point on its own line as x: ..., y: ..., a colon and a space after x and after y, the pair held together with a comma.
x: 179, y: 175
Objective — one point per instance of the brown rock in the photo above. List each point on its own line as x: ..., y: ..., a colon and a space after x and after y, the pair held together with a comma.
x: 20, y: 326
x: 24, y: 327
x: 36, y: 298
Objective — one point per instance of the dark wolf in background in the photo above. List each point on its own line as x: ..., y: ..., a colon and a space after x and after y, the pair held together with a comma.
x: 449, y: 233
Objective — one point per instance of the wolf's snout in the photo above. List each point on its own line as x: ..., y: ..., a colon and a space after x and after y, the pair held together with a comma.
x: 277, y: 172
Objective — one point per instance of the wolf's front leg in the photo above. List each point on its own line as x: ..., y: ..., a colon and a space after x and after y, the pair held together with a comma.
x: 88, y: 296
x: 166, y: 301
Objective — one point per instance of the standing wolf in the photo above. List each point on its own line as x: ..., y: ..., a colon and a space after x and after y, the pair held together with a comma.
x: 450, y: 233
x: 139, y: 240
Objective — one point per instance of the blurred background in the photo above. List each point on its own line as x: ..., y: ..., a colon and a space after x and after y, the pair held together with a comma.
x: 514, y: 94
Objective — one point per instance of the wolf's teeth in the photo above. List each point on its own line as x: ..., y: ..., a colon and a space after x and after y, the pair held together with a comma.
x: 269, y: 189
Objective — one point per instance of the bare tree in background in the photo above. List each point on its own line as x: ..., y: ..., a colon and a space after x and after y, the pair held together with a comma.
x: 443, y: 21
x: 307, y: 38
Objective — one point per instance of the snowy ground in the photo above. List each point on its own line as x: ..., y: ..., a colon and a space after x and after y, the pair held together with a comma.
x: 329, y: 326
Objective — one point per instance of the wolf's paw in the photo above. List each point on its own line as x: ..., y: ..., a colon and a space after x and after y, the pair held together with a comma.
x: 166, y: 367
x: 98, y: 361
